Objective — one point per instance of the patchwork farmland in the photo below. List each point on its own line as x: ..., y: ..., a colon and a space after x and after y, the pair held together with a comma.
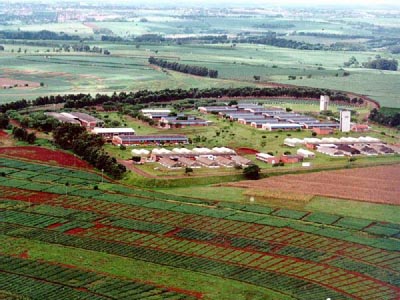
x: 47, y: 211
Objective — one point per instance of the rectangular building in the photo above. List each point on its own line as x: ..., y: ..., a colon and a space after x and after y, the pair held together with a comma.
x: 150, y: 139
x: 109, y: 133
x: 345, y: 120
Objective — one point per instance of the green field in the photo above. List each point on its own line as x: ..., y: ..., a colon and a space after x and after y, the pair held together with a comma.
x: 127, y: 69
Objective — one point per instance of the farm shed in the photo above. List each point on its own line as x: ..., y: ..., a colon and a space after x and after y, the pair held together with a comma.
x: 169, y: 163
x: 85, y: 120
x: 207, y: 162
x: 225, y: 162
x: 223, y: 151
x: 348, y: 149
x: 322, y: 131
x: 109, y: 133
x: 155, y: 113
x: 217, y: 109
x: 241, y: 161
x: 270, y: 159
x: 62, y: 118
x: 359, y: 128
x: 291, y: 159
x: 280, y: 126
x: 331, y: 151
x: 176, y: 122
x: 305, y: 153
x: 309, y: 125
x: 150, y: 139
x: 187, y: 162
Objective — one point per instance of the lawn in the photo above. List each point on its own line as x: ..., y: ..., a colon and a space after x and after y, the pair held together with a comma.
x: 372, y: 211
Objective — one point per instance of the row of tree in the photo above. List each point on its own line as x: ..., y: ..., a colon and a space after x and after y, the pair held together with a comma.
x: 183, y: 68
x: 166, y: 95
x: 4, y: 121
x: 386, y: 116
x: 23, y: 135
x: 382, y: 64
x: 37, y: 35
x: 89, y: 147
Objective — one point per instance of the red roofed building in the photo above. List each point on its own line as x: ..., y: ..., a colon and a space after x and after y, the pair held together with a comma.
x: 360, y: 128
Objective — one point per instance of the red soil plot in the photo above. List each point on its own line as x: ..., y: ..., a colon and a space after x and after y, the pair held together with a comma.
x: 245, y: 151
x: 373, y: 184
x: 26, y: 195
x: 44, y: 155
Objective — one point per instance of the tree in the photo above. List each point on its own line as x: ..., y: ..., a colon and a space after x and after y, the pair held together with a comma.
x: 4, y: 120
x: 31, y: 138
x: 252, y: 172
x: 232, y: 102
x: 188, y: 170
x: 136, y: 159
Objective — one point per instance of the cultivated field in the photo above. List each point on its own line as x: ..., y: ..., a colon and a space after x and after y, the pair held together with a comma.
x: 375, y: 184
x: 94, y: 239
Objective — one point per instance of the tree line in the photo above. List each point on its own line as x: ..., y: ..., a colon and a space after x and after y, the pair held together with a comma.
x: 386, y: 116
x: 166, y: 95
x: 87, y: 146
x: 37, y: 35
x: 183, y: 68
x: 382, y: 64
x: 23, y: 135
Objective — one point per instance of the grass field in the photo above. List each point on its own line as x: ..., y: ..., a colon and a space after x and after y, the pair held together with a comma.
x: 127, y: 69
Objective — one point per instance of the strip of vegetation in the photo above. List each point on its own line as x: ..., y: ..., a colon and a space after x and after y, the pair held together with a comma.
x: 145, y: 96
x: 88, y: 147
x: 386, y: 116
x: 37, y: 35
x: 382, y: 64
x: 22, y: 134
x: 183, y: 68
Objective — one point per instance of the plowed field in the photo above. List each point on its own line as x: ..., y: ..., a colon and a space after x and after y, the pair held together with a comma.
x: 44, y: 155
x: 374, y: 184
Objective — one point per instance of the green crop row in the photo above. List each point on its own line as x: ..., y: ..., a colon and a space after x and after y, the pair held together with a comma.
x: 97, y: 286
x: 289, y: 284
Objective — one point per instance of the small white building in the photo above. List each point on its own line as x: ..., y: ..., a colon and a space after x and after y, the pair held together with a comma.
x: 109, y: 133
x: 305, y: 153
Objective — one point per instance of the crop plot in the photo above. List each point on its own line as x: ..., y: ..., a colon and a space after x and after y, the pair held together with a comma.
x: 299, y: 254
x: 374, y: 184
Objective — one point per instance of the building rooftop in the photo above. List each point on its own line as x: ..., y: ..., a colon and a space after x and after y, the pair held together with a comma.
x: 99, y: 130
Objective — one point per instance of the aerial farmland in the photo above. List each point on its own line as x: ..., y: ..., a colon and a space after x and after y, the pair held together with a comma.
x: 217, y: 151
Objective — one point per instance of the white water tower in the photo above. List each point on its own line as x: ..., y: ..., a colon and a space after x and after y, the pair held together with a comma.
x: 345, y: 119
x: 323, y: 102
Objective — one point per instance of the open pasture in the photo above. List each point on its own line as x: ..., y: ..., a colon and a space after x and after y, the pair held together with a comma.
x: 127, y: 69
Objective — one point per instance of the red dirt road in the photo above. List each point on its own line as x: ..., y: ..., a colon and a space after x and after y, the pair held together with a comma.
x: 373, y: 184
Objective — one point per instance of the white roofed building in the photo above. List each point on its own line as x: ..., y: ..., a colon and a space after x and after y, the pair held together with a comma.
x: 109, y: 133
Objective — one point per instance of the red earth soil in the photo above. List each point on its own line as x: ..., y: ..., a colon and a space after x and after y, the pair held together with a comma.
x: 75, y: 231
x: 24, y: 255
x: 245, y: 151
x: 26, y: 195
x: 55, y: 225
x: 45, y: 155
x: 372, y: 184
